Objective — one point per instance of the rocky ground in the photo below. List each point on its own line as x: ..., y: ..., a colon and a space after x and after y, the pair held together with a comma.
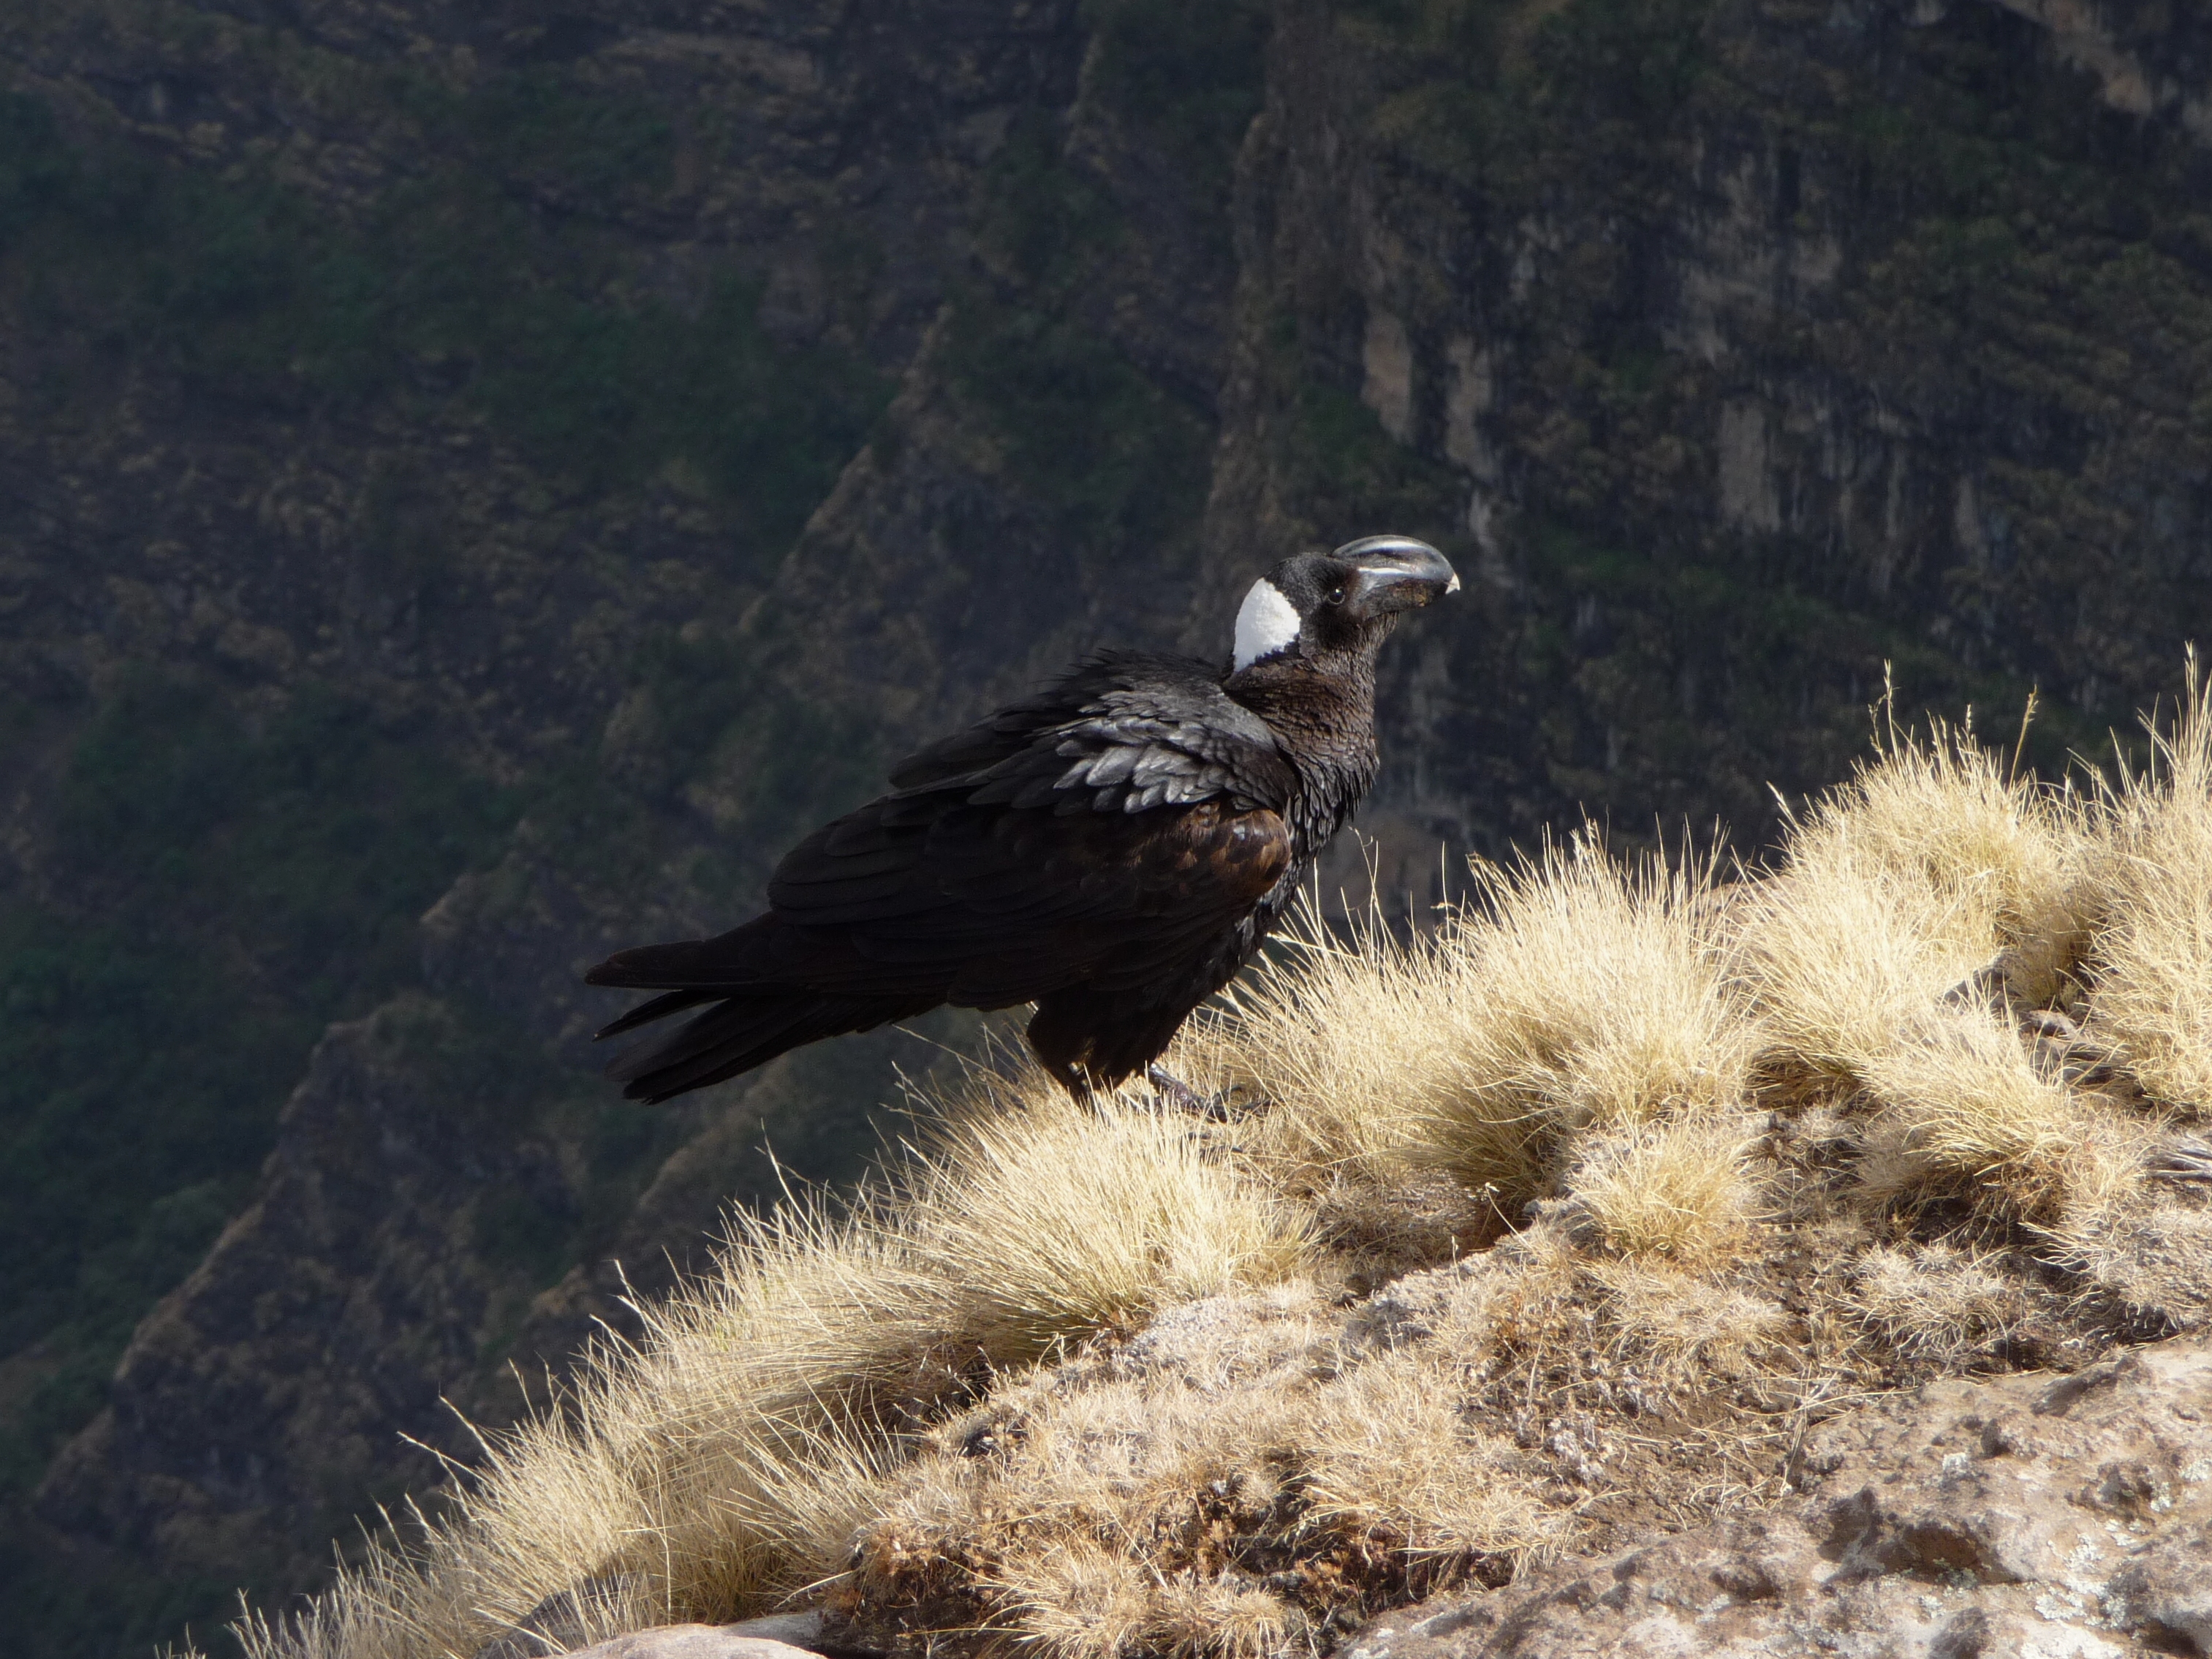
x: 2038, y: 1515
x: 2049, y: 1517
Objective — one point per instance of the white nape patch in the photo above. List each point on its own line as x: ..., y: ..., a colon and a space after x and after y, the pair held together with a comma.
x: 1266, y: 623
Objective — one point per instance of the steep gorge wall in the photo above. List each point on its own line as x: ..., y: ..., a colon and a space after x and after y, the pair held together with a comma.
x: 1749, y: 345
x: 398, y: 410
x: 656, y: 418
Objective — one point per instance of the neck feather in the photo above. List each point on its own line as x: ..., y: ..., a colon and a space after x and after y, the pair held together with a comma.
x: 1321, y: 709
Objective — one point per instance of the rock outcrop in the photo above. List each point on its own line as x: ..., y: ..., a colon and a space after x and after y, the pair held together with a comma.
x: 689, y: 1642
x: 2065, y: 1518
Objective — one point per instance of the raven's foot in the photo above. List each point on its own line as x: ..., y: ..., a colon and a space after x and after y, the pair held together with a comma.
x: 1177, y: 1093
x: 2187, y: 1159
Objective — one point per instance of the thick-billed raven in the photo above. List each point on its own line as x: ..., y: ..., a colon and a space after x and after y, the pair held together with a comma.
x: 1113, y: 849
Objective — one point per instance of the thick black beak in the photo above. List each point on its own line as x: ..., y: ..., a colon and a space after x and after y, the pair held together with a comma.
x: 1397, y: 572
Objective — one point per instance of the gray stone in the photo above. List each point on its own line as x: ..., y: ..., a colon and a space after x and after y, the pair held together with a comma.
x: 692, y: 1641
x: 800, y: 1629
x: 2023, y: 1517
x: 554, y: 1626
x: 2166, y: 1593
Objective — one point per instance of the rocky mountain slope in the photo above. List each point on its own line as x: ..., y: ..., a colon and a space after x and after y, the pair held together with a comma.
x: 473, y: 482
x: 2019, y: 1515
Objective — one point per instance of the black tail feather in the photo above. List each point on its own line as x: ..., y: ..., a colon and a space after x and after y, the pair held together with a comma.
x: 736, y: 1035
x: 658, y: 967
x: 660, y: 1007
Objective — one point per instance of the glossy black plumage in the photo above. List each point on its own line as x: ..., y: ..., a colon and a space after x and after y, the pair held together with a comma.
x: 1112, y: 849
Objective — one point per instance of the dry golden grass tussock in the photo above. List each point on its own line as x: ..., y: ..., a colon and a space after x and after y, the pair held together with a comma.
x: 1343, y: 1032
x: 1072, y: 1508
x: 2008, y: 856
x: 1676, y: 1325
x: 1604, y: 1001
x: 1936, y: 1301
x: 732, y: 1457
x: 1578, y: 990
x: 1391, y: 1459
x: 1678, y: 1188
x: 1056, y: 1219
x: 1120, y: 1498
x: 720, y: 1465
x: 2152, y: 1256
x: 1552, y: 1303
x: 1193, y: 1616
x: 1938, y: 860
x: 2153, y: 992
x: 1843, y: 955
x: 805, y: 1307
x: 1922, y: 905
x: 1075, y: 1600
x: 1961, y: 1113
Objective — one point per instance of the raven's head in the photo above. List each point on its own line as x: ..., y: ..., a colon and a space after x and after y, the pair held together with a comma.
x: 1314, y: 604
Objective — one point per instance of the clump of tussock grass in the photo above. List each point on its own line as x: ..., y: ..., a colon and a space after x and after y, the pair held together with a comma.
x: 1938, y: 860
x: 1078, y: 1600
x: 2149, y: 1253
x: 1962, y: 1112
x: 1842, y: 956
x: 1678, y: 1188
x: 1393, y: 1459
x: 1575, y: 993
x: 1603, y: 987
x: 1052, y: 1219
x: 1676, y: 1325
x: 1919, y: 909
x: 1938, y: 1302
x: 2153, y: 952
x: 1224, y: 1616
x: 2005, y: 856
x: 1340, y: 1036
x: 1127, y: 1499
x: 703, y: 1473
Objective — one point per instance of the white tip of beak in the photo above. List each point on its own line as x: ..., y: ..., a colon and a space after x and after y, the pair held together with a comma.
x: 1452, y: 587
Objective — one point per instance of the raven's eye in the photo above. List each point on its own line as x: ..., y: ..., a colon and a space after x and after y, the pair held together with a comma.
x: 1336, y: 595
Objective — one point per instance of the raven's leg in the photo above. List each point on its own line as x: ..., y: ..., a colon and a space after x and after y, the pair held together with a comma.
x: 1092, y: 1043
x: 1173, y: 1090
x: 1063, y: 1047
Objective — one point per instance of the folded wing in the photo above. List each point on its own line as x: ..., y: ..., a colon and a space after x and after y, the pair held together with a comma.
x: 1107, y: 837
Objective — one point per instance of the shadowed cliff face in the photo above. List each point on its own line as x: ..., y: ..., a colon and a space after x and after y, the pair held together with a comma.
x: 1747, y: 346
x: 474, y: 485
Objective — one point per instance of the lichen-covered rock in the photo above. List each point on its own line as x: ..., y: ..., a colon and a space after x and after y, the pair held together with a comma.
x: 2065, y: 1518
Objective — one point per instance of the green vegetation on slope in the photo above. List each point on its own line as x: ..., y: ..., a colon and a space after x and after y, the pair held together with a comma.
x: 1189, y: 76
x: 229, y: 892
x: 220, y: 880
x: 452, y: 294
x: 1110, y: 451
